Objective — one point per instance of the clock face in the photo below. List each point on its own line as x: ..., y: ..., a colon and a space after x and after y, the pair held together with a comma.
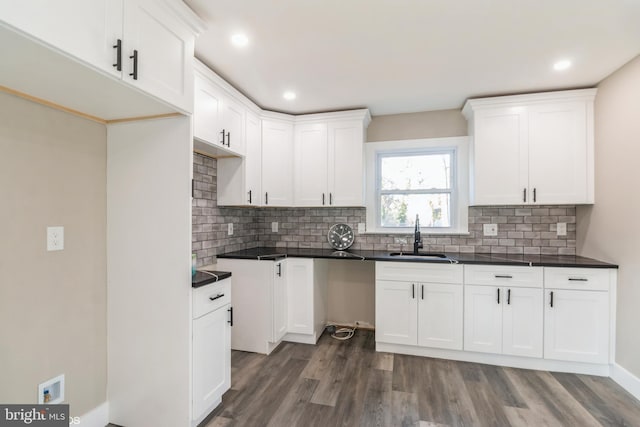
x: 340, y: 236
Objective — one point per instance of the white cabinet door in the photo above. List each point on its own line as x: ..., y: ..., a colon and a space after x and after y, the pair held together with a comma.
x: 310, y: 165
x: 558, y: 152
x: 164, y: 49
x: 346, y: 170
x: 277, y: 163
x: 253, y: 159
x: 522, y: 322
x: 211, y: 359
x: 396, y: 312
x: 86, y: 29
x: 500, y: 157
x: 440, y: 316
x: 279, y: 301
x: 207, y: 116
x: 483, y: 318
x: 233, y: 125
x: 300, y: 303
x: 577, y: 326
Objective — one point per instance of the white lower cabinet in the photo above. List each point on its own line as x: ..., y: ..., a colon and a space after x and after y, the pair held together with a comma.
x: 578, y: 313
x: 259, y: 303
x: 440, y: 316
x: 306, y: 299
x: 212, y: 323
x: 396, y: 313
x: 426, y: 310
x: 503, y: 320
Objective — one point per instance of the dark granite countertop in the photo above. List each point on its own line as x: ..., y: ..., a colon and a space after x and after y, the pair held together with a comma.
x: 201, y: 279
x: 462, y: 258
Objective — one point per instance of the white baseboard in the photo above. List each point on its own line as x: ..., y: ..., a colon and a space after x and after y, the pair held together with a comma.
x: 97, y: 417
x: 626, y: 380
x: 539, y: 364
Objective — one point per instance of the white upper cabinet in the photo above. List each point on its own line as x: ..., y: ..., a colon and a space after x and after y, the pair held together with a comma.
x: 239, y: 178
x: 157, y: 52
x: 532, y: 149
x: 328, y: 161
x: 233, y: 116
x: 148, y: 44
x: 311, y: 166
x: 218, y: 118
x: 86, y: 29
x: 346, y: 162
x: 207, y: 112
x: 253, y: 159
x: 277, y: 163
x: 558, y: 152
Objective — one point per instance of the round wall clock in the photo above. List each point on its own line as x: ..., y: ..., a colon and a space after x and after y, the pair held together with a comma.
x: 340, y: 236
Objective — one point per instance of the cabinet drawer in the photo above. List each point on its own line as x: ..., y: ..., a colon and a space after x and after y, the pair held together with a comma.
x: 419, y: 272
x: 211, y: 297
x: 499, y: 275
x: 592, y: 279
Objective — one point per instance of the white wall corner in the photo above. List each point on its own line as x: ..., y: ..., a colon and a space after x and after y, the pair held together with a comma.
x: 97, y: 417
x: 626, y: 380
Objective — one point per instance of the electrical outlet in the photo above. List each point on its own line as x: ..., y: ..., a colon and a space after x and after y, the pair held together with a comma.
x: 490, y: 229
x: 274, y: 227
x: 55, y: 238
x: 230, y: 229
x: 361, y: 228
x: 562, y: 229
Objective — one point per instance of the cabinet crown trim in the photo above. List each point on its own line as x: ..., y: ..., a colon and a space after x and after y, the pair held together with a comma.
x: 527, y: 99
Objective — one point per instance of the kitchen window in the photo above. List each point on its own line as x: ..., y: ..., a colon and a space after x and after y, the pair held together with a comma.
x: 417, y: 177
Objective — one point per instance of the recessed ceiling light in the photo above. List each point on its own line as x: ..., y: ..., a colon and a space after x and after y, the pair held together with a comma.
x: 562, y: 65
x: 289, y: 95
x: 240, y: 40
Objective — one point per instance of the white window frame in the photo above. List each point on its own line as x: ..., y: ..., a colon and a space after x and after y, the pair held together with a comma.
x: 459, y: 146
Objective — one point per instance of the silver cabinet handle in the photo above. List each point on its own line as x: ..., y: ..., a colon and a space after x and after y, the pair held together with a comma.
x: 413, y: 290
x: 503, y: 276
x: 578, y: 279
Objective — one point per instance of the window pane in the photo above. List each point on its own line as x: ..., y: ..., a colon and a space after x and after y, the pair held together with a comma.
x: 420, y: 172
x: 399, y: 210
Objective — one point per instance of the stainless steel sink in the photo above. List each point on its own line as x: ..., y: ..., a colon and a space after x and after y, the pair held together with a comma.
x: 422, y: 255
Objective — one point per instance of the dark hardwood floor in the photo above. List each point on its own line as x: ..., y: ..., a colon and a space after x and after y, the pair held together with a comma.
x: 346, y: 383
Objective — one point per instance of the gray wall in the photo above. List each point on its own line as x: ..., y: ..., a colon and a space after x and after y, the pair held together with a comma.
x: 605, y: 230
x: 52, y: 304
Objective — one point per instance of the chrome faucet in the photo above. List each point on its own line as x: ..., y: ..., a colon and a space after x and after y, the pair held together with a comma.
x: 417, y: 240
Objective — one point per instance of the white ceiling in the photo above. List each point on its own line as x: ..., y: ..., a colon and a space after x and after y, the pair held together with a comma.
x: 399, y: 56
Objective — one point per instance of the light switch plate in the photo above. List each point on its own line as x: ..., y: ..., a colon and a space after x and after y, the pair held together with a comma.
x: 230, y: 229
x: 55, y: 238
x: 361, y: 228
x: 562, y: 229
x: 274, y: 227
x: 490, y: 229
